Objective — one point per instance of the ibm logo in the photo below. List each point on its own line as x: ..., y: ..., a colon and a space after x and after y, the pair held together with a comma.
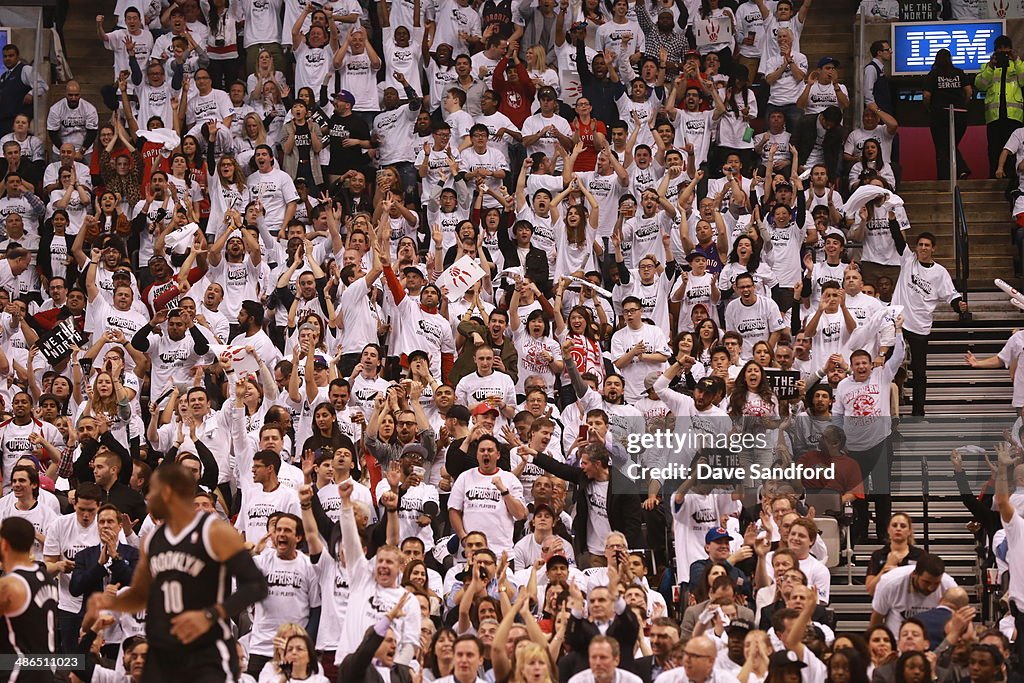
x: 971, y: 44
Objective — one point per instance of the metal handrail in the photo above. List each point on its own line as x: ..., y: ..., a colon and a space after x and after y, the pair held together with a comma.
x: 961, y: 237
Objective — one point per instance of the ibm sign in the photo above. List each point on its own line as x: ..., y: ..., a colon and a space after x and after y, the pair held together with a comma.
x: 970, y: 42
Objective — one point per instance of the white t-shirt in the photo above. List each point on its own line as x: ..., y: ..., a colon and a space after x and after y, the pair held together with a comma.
x: 694, y: 127
x: 213, y: 105
x: 920, y: 290
x: 239, y: 282
x: 1014, y: 557
x: 536, y: 123
x: 1010, y: 354
x: 822, y: 96
x: 368, y: 602
x: 263, y: 22
x: 529, y: 350
x: 787, y: 89
x: 275, y: 190
x: 73, y: 124
x: 409, y: 510
x: 606, y: 190
x: 896, y: 601
x: 490, y: 160
x: 394, y: 129
x: 65, y: 537
x: 754, y: 323
x: 598, y: 524
x: 258, y: 505
x: 41, y: 516
x: 474, y: 389
x: 294, y: 588
x: 451, y: 19
x: 855, y: 142
x: 698, y: 514
x: 312, y: 65
x: 655, y: 341
x: 865, y: 405
x: 878, y: 244
x: 483, y: 507
x: 360, y: 78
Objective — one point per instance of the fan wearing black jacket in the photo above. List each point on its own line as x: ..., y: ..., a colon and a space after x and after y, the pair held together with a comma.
x: 596, y: 479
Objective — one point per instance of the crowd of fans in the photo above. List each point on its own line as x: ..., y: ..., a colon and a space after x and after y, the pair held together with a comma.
x: 248, y: 269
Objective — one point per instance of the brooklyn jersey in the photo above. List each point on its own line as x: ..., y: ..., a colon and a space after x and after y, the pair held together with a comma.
x: 185, y: 577
x: 32, y: 628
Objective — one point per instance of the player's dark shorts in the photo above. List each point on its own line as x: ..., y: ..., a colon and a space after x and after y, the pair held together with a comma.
x: 216, y: 663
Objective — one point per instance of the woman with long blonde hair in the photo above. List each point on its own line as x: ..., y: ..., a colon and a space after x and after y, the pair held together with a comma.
x: 533, y: 665
x: 109, y: 401
x: 540, y: 71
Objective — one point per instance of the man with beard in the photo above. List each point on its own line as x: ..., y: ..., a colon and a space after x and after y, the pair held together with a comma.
x: 180, y: 581
x: 101, y: 315
x: 664, y: 636
x: 250, y: 333
x: 375, y: 591
x: 174, y: 354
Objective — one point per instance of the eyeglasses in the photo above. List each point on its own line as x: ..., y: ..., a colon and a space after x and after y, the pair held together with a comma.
x: 627, y: 311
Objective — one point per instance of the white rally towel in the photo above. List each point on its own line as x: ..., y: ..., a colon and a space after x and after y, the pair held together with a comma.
x: 180, y: 239
x: 866, y: 193
x: 168, y: 137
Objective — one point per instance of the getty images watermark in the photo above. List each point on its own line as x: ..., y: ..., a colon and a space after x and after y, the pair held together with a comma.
x: 725, y: 454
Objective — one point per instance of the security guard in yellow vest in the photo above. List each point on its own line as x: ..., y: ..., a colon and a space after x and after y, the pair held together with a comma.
x: 1001, y: 79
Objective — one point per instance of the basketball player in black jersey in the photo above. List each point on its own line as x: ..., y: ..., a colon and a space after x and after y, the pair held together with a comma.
x: 28, y: 599
x: 183, y: 581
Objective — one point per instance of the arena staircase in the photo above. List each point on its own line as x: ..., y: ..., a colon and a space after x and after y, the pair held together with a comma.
x: 965, y: 407
x: 929, y: 205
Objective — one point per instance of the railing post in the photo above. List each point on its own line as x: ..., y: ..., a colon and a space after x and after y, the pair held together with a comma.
x: 951, y: 161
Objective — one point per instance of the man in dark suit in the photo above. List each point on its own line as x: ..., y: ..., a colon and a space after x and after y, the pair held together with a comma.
x: 534, y: 264
x: 664, y: 636
x: 376, y: 654
x: 936, y: 618
x: 108, y: 563
x: 606, y: 616
x: 596, y: 479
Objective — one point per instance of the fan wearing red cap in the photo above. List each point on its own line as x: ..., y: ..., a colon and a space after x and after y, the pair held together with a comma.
x: 487, y: 498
